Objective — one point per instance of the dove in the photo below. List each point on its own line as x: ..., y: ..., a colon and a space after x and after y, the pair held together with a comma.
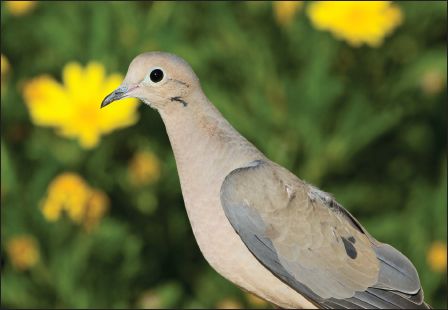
x: 256, y: 223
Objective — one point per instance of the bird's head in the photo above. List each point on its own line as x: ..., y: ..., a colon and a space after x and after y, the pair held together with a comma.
x: 158, y: 79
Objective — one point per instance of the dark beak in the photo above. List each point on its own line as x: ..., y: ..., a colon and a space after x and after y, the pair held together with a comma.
x: 117, y: 94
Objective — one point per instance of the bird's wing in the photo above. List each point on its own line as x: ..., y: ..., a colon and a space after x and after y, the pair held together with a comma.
x: 305, y: 238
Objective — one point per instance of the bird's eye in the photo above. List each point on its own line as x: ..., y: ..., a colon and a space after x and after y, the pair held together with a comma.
x: 156, y: 75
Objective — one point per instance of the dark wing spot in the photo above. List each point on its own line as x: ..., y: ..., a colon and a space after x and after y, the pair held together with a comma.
x: 352, y: 239
x: 349, y: 248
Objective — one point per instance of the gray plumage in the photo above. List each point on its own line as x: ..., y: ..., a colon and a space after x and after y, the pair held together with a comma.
x: 301, y: 233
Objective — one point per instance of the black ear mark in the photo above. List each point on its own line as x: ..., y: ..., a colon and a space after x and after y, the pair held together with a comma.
x: 179, y: 99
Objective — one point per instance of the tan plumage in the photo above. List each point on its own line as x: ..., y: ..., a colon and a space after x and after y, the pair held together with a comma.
x: 300, y: 224
x: 255, y: 222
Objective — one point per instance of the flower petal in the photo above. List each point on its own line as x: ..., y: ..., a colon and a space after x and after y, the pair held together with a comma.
x: 46, y: 100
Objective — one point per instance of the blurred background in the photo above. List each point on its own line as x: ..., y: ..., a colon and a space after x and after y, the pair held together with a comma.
x: 350, y: 97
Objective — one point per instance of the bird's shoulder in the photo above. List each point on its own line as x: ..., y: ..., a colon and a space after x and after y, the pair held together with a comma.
x: 270, y: 188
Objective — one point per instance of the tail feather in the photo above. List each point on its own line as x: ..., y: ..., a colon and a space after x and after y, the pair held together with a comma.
x: 396, y: 271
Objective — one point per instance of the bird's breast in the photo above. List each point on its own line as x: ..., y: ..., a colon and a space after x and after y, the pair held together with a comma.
x: 205, y: 154
x: 219, y: 243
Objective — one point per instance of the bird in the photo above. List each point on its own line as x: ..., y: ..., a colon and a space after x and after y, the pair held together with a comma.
x: 255, y: 222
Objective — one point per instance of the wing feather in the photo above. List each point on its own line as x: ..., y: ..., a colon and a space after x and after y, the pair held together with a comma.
x: 305, y: 238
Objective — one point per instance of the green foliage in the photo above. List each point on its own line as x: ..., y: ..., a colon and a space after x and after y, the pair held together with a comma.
x: 361, y: 123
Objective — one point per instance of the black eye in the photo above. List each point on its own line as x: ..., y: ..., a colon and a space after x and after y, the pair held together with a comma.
x: 156, y: 75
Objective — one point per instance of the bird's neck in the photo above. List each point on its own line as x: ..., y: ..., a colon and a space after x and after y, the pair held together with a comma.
x: 205, y: 145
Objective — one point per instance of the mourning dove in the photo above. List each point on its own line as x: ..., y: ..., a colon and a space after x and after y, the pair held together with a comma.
x: 256, y: 223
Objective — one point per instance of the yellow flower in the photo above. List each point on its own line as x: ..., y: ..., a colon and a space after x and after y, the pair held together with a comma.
x: 96, y: 208
x: 433, y: 81
x: 229, y: 303
x: 256, y: 301
x: 436, y: 256
x: 19, y: 8
x: 4, y: 66
x: 67, y: 192
x: 149, y: 299
x: 144, y: 168
x: 73, y: 107
x: 70, y: 193
x: 23, y: 252
x: 357, y: 22
x: 284, y: 11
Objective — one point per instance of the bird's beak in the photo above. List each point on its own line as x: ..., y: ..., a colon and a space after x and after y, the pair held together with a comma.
x: 120, y: 93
